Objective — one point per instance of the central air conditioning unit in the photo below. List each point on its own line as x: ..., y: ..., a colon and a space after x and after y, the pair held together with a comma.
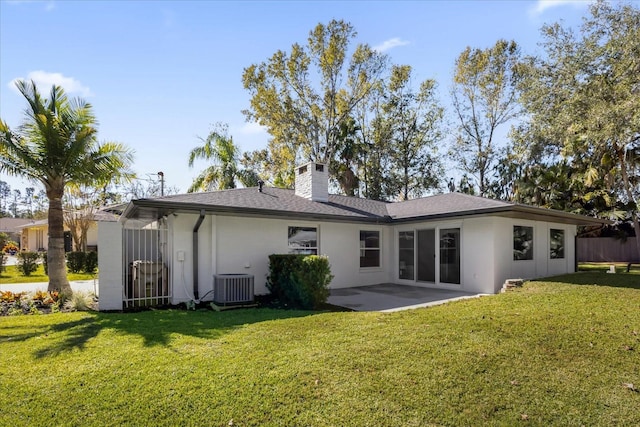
x: 233, y: 288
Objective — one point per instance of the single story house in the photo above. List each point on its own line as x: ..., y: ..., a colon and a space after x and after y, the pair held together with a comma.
x: 175, y: 249
x: 10, y: 226
x: 34, y: 234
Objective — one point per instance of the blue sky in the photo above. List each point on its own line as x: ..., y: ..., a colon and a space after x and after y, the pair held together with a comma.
x: 159, y: 73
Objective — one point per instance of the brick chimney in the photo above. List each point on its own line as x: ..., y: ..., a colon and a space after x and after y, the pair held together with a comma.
x: 312, y: 182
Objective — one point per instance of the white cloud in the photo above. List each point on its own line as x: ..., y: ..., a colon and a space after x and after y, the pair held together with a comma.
x: 390, y: 44
x: 253, y: 129
x: 542, y: 5
x: 45, y: 80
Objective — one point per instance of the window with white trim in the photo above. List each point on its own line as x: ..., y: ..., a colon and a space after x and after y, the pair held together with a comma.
x: 303, y: 240
x: 369, y: 248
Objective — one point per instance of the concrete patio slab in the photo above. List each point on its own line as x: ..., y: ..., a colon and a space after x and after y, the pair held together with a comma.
x: 391, y: 297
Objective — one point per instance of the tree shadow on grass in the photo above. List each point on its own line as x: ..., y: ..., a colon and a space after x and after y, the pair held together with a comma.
x: 155, y: 327
x: 76, y: 334
x: 631, y: 281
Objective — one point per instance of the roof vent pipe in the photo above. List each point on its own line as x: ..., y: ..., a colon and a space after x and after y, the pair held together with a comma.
x: 195, y: 255
x: 260, y: 184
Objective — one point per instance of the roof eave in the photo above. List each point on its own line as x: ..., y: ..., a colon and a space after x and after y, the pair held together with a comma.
x: 528, y: 212
x: 162, y: 208
x: 158, y: 208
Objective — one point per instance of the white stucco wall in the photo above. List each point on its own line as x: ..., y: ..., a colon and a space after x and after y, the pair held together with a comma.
x: 110, y: 265
x: 478, y: 252
x: 229, y: 245
x: 541, y: 265
x: 477, y: 246
x: 486, y: 258
x: 92, y: 235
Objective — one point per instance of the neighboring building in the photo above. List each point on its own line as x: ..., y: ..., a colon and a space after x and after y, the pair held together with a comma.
x: 168, y: 249
x: 33, y: 235
x: 10, y: 227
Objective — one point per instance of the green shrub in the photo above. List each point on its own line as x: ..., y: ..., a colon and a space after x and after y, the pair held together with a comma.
x: 279, y: 278
x: 300, y: 281
x: 91, y: 262
x: 76, y: 261
x: 28, y: 262
x: 314, y: 278
x: 45, y: 262
x: 4, y: 238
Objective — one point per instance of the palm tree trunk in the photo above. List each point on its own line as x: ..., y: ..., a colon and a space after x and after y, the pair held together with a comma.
x: 55, y: 254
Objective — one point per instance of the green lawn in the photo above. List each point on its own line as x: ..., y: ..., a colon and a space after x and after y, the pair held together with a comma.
x: 11, y: 274
x: 621, y: 267
x: 562, y: 352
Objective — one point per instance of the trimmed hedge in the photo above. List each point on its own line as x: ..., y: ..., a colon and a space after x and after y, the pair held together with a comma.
x: 299, y: 281
x: 86, y: 262
x: 91, y: 262
x: 75, y: 261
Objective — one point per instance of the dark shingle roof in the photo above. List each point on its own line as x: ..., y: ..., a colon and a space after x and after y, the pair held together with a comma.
x: 442, y: 204
x: 284, y: 203
x: 273, y: 201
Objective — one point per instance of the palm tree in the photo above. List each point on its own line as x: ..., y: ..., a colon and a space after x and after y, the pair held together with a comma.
x: 56, y: 145
x: 225, y: 155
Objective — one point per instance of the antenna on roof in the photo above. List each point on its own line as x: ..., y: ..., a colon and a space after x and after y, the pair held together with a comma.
x: 161, y: 176
x: 260, y: 184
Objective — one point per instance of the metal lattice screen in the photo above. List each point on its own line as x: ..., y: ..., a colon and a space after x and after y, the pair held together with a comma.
x: 145, y: 267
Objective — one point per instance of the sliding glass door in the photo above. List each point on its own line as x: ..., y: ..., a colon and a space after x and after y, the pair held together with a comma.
x: 419, y: 253
x: 406, y: 255
x: 450, y: 255
x: 426, y: 255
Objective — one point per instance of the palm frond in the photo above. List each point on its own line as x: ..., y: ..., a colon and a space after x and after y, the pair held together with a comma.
x: 207, y: 180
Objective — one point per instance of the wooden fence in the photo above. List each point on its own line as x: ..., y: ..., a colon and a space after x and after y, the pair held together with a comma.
x: 607, y: 249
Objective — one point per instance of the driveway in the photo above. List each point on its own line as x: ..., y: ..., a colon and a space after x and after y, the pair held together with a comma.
x: 390, y: 297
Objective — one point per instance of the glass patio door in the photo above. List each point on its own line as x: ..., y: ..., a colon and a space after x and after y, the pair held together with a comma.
x: 426, y: 255
x: 450, y: 255
x: 406, y: 255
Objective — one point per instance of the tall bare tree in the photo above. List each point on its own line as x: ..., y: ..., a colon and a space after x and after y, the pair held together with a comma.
x: 485, y: 97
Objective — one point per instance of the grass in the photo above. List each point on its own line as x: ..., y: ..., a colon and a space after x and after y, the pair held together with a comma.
x: 12, y: 274
x: 557, y: 352
x: 621, y: 267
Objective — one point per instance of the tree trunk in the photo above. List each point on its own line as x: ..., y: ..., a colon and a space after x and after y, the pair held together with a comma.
x: 627, y: 187
x: 55, y: 254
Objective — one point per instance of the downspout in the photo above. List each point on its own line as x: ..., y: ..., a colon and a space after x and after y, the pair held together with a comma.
x: 196, y: 295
